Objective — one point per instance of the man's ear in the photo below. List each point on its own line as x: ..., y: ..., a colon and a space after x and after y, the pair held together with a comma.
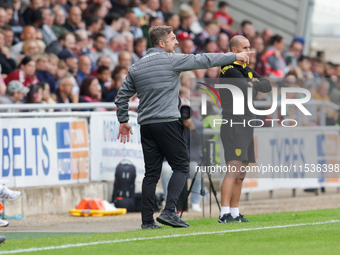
x: 161, y: 43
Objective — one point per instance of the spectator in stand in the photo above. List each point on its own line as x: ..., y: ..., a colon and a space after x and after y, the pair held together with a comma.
x: 186, y: 20
x: 209, y: 6
x: 98, y: 48
x: 266, y: 35
x: 208, y: 16
x: 28, y: 13
x: 335, y: 93
x: 102, y: 61
x: 119, y: 6
x: 274, y: 64
x: 172, y: 20
x: 7, y: 63
x: 64, y: 92
x: 9, y: 36
x: 247, y: 30
x: 46, y: 29
x: 14, y: 93
x: 59, y: 22
x: 25, y: 74
x: 210, y: 31
x: 17, y: 19
x: 117, y: 44
x: 210, y: 46
x: 295, y: 51
x: 151, y: 8
x: 93, y: 24
x: 258, y: 44
x: 186, y: 77
x: 223, y: 17
x: 125, y: 59
x: 84, y: 68
x: 119, y: 70
x: 164, y: 8
x: 222, y: 43
x: 83, y: 43
x: 43, y: 73
x: 30, y: 47
x: 316, y: 68
x: 322, y: 94
x: 303, y: 68
x: 28, y: 33
x: 129, y: 45
x: 67, y: 41
x: 3, y: 17
x: 185, y: 44
x: 135, y: 24
x: 46, y: 98
x: 113, y: 25
x: 73, y: 19
x: 105, y: 82
x: 140, y: 47
x: 35, y: 96
x: 90, y: 91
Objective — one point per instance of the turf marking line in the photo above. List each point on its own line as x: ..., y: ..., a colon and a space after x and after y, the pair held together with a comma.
x: 34, y: 249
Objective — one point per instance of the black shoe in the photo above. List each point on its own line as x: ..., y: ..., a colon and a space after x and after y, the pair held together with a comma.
x: 2, y: 239
x: 240, y: 218
x: 151, y: 226
x: 171, y: 219
x: 226, y: 218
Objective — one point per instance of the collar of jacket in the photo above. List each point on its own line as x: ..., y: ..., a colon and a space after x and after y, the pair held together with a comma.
x: 154, y: 49
x: 244, y: 65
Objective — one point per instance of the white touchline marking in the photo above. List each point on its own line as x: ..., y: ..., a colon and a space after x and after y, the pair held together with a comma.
x: 160, y: 237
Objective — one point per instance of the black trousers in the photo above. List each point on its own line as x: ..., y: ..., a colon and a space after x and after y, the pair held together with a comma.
x: 161, y: 140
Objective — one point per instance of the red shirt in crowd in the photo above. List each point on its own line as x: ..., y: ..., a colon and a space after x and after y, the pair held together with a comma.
x: 18, y: 75
x: 223, y: 18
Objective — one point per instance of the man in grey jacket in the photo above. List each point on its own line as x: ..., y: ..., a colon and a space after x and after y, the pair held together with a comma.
x: 155, y: 79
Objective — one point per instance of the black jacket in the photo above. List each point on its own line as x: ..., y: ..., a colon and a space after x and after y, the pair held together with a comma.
x: 239, y: 76
x: 7, y: 64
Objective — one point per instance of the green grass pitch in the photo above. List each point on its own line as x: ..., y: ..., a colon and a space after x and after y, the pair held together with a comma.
x: 263, y: 235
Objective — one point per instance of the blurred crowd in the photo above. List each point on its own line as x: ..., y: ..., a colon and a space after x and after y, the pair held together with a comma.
x: 59, y: 51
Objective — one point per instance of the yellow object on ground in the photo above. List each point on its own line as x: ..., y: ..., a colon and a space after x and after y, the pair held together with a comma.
x: 96, y: 213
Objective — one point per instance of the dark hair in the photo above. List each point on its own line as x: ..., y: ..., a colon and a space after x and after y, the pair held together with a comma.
x: 98, y: 35
x: 26, y: 60
x: 32, y: 94
x: 85, y: 86
x: 7, y: 28
x: 91, y: 20
x: 101, y: 69
x: 36, y: 16
x: 222, y: 4
x: 302, y: 58
x: 78, y: 38
x: 42, y: 84
x: 109, y: 18
x: 139, y: 40
x: 6, y: 6
x: 117, y: 70
x: 246, y: 22
x: 275, y: 38
x: 63, y: 36
x: 168, y: 16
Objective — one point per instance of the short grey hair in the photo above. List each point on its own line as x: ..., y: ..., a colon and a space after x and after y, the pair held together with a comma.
x: 158, y: 33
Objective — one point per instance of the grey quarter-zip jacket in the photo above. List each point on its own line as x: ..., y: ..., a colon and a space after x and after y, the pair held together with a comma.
x: 156, y: 80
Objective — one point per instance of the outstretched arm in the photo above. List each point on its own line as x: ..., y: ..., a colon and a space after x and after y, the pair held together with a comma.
x: 186, y: 62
